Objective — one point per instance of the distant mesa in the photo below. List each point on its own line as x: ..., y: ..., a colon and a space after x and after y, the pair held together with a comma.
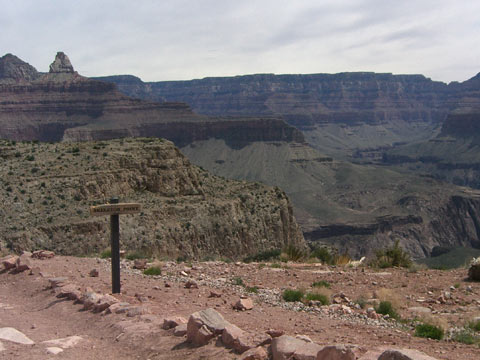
x: 61, y: 64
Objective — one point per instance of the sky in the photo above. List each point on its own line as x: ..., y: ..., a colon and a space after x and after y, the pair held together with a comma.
x: 159, y: 40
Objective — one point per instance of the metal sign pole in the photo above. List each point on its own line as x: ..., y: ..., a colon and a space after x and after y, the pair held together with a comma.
x: 114, y: 209
x: 115, y: 246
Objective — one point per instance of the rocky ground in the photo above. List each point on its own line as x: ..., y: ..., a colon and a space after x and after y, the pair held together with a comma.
x: 134, y: 328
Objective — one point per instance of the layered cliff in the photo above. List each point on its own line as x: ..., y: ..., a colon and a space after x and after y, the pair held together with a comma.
x: 63, y: 105
x: 47, y: 189
x: 338, y: 113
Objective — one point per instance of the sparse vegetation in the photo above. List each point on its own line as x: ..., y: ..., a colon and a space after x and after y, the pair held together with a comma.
x: 429, y: 331
x: 252, y: 289
x: 106, y: 254
x: 315, y: 296
x: 293, y: 253
x: 267, y: 255
x: 136, y: 255
x: 386, y: 308
x: 321, y: 283
x: 153, y: 270
x: 238, y: 281
x: 393, y: 256
x: 291, y: 295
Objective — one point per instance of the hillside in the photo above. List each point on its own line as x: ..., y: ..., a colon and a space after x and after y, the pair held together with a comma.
x: 355, y: 208
x: 47, y: 189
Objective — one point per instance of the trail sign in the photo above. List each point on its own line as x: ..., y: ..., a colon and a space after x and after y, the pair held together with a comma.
x: 114, y: 209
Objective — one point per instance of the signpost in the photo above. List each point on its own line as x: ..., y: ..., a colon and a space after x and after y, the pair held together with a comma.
x: 114, y: 209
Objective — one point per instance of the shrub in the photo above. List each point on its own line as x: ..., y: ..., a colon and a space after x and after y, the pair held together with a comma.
x: 392, y: 256
x: 153, y: 270
x: 263, y: 256
x: 429, y: 331
x: 317, y: 297
x: 293, y: 253
x: 106, y: 254
x: 474, y: 325
x: 321, y: 283
x: 322, y: 254
x: 135, y: 255
x: 252, y: 289
x: 238, y: 281
x: 386, y: 308
x: 362, y: 302
x: 290, y: 295
x: 465, y: 337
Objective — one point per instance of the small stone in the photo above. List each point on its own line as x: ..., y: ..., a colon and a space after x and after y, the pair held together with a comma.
x: 93, y: 273
x: 13, y: 335
x: 173, y: 322
x: 336, y: 352
x: 54, y: 350
x: 57, y: 282
x: 275, y: 333
x: 43, y: 254
x: 180, y: 330
x: 215, y: 294
x: 137, y: 310
x: 191, y: 284
x: 140, y: 264
x: 65, y: 343
x: 257, y: 353
x: 244, y: 304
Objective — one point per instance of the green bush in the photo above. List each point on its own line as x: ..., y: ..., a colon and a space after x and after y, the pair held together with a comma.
x: 263, y: 256
x: 252, y: 289
x: 322, y: 254
x: 135, y: 255
x: 465, y: 337
x: 429, y: 331
x: 292, y: 295
x: 106, y: 254
x: 321, y: 283
x: 238, y: 281
x: 318, y: 297
x: 474, y: 325
x: 153, y: 270
x: 294, y: 253
x: 386, y: 308
x: 392, y: 256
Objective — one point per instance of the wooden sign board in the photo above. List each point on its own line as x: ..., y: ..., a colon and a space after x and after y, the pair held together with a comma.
x: 115, y: 209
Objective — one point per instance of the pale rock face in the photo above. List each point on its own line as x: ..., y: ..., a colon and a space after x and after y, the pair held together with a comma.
x: 61, y: 64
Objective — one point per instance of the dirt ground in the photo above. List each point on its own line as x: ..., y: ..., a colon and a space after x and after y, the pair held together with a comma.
x: 30, y: 306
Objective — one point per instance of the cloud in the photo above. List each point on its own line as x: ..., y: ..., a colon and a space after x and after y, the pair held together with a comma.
x: 184, y: 39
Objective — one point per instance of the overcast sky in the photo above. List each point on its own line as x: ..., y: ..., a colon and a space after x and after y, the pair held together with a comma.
x: 179, y: 39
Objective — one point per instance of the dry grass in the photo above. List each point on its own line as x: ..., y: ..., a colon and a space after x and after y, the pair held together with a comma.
x: 437, y: 321
x: 322, y: 291
x: 384, y: 294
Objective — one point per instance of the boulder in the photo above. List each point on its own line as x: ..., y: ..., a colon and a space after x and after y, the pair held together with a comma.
x: 244, y: 304
x: 474, y: 270
x: 171, y: 322
x: 89, y: 299
x: 249, y: 340
x: 257, y: 353
x: 137, y: 311
x: 69, y: 291
x: 404, y: 354
x: 230, y: 334
x: 203, y: 325
x: 23, y: 263
x: 336, y: 352
x: 9, y: 262
x: 104, y: 302
x: 284, y: 347
x: 118, y: 308
x: 43, y: 254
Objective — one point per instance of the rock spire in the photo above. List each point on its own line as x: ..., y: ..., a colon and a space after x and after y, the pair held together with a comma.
x: 61, y: 64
